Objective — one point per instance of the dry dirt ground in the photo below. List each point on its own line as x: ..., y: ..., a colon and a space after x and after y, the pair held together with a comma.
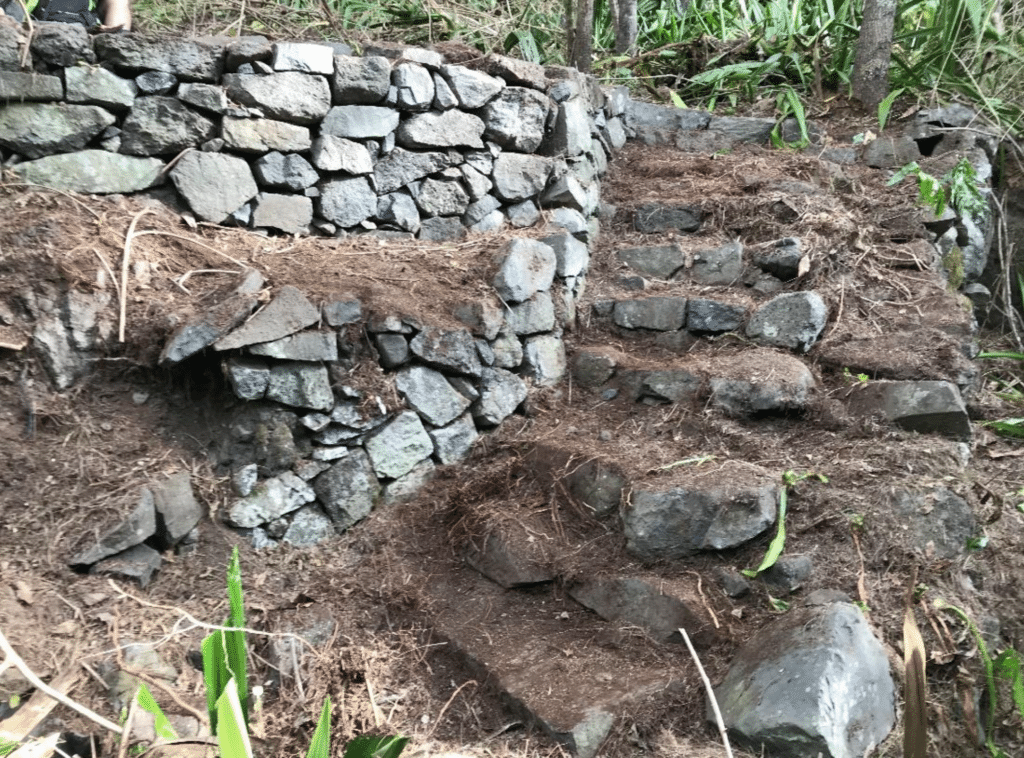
x: 396, y: 585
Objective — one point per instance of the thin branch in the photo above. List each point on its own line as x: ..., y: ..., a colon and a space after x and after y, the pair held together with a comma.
x: 124, y: 271
x: 711, y: 694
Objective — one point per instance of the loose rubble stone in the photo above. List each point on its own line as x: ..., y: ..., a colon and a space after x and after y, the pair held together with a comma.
x: 97, y: 86
x: 163, y: 125
x: 281, y: 171
x: 393, y: 349
x: 304, y: 346
x: 510, y: 563
x: 516, y: 71
x: 137, y: 528
x: 407, y: 486
x: 303, y: 56
x: 665, y: 386
x: 397, y: 447
x: 793, y: 320
x: 937, y: 522
x: 519, y: 176
x: 482, y: 317
x: 415, y: 86
x: 782, y: 260
x: 177, y: 509
x: 331, y: 153
x: 430, y: 395
x: 402, y: 166
x: 309, y: 526
x: 544, y: 359
x: 719, y: 266
x: 286, y: 314
x: 359, y: 122
x: 300, y: 385
x: 206, y: 328
x: 474, y: 89
x: 571, y: 256
x: 95, y: 172
x: 508, y: 350
x: 57, y: 44
x: 269, y: 500
x: 199, y: 59
x: 347, y: 202
x: 452, y: 443
x: 213, y: 184
x: 781, y: 385
x: 655, y: 218
x: 789, y: 572
x: 524, y: 214
x: 347, y: 490
x: 925, y: 407
x: 830, y: 657
x: 682, y: 521
x: 501, y: 392
x: 399, y: 209
x: 660, y: 261
x: 527, y: 267
x: 532, y: 316
x: 207, y: 97
x: 592, y: 369
x: 571, y: 133
x: 139, y: 563
x: 290, y: 214
x: 448, y: 129
x: 515, y: 119
x: 732, y: 582
x: 631, y: 601
x: 653, y: 124
x: 658, y: 313
x: 711, y: 316
x: 259, y: 135
x: 340, y: 310
x: 442, y: 197
x: 287, y: 96
x: 442, y: 229
x: 35, y: 130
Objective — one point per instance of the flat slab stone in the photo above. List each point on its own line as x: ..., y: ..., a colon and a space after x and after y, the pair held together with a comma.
x: 431, y: 395
x: 286, y: 314
x: 139, y: 563
x: 398, y: 446
x: 206, y: 328
x: 304, y: 346
x: 939, y: 522
x: 270, y: 500
x: 301, y: 385
x: 92, y: 172
x: 177, y: 507
x: 927, y: 407
x: 793, y: 320
x: 137, y: 528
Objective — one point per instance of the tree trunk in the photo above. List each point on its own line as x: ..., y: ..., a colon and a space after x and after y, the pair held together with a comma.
x: 625, y: 23
x: 874, y: 52
x: 581, y: 35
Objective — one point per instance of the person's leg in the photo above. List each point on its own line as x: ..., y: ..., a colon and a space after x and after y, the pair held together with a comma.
x: 116, y: 14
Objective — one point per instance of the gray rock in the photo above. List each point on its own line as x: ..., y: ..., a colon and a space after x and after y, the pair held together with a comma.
x: 156, y: 83
x: 361, y: 81
x: 663, y: 314
x: 444, y: 98
x: 442, y: 229
x: 343, y: 309
x: 139, y: 563
x: 259, y: 135
x: 35, y: 130
x: 399, y: 209
x: 248, y: 378
x: 793, y: 320
x: 782, y: 260
x: 199, y: 59
x: 830, y: 657
x: 286, y: 314
x: 516, y: 71
x: 207, y: 97
x: 244, y: 478
x: 401, y: 166
x: 938, y: 523
x: 655, y: 218
x: 742, y: 128
x: 309, y: 526
x: 891, y: 152
x: 415, y: 86
x: 480, y: 210
x: 732, y: 582
x: 598, y: 485
x: 501, y: 392
x: 476, y: 182
x: 571, y: 134
x: 492, y: 222
x: 301, y: 385
x: 520, y: 176
x: 508, y: 350
x: 442, y: 197
x: 515, y: 119
x: 134, y: 530
x: 98, y: 86
x: 787, y: 387
x: 85, y: 323
x: 291, y: 214
x: 289, y: 96
x: 407, y: 486
x: 664, y: 386
x: 452, y: 443
x: 483, y: 317
x: 359, y: 122
x: 57, y: 44
x: 213, y: 184
x: 280, y: 171
x: 660, y: 262
x: 446, y: 129
x: 532, y: 316
x: 523, y: 214
x: 615, y: 133
x: 92, y: 172
x: 452, y: 349
x: 331, y: 153
x: 393, y: 349
x: 508, y: 562
x: 270, y: 500
x: 397, y: 447
x: 347, y: 490
x: 682, y: 521
x: 927, y: 407
x: 429, y: 394
x: 206, y: 328
x: 789, y: 572
x: 163, y: 125
x: 527, y: 267
x: 347, y: 202
x: 660, y: 124
x: 52, y: 342
x: 303, y: 56
x: 567, y: 191
x: 571, y: 256
x: 304, y: 346
x: 631, y: 601
x: 711, y: 316
x: 474, y: 89
x: 719, y: 266
x: 544, y: 359
x: 591, y: 369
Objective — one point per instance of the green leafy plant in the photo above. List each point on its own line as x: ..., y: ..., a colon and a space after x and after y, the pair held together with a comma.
x: 1011, y: 391
x: 788, y: 104
x: 958, y: 188
x: 1005, y: 667
x: 886, y: 105
x: 789, y: 480
x: 851, y: 378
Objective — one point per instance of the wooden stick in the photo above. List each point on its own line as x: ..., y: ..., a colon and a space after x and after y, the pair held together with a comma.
x: 711, y: 693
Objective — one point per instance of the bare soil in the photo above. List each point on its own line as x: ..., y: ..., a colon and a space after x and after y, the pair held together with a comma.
x: 396, y: 585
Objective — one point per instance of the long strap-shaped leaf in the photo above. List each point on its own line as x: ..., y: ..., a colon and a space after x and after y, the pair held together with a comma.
x: 915, y: 691
x: 320, y: 745
x: 232, y: 734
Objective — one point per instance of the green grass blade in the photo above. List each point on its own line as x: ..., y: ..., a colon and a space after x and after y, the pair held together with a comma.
x: 320, y: 745
x: 779, y: 542
x: 1002, y: 354
x: 232, y: 734
x: 376, y: 747
x: 234, y: 640
x: 161, y: 725
x: 215, y: 673
x: 885, y: 106
x: 1008, y: 666
x: 1011, y: 427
